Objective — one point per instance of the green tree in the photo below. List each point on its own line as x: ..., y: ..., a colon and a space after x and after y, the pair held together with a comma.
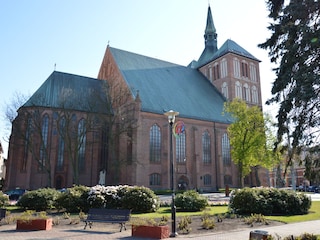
x: 247, y: 138
x: 312, y: 164
x: 294, y: 48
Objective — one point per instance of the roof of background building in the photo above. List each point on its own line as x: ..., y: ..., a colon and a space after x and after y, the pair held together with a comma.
x: 165, y: 86
x: 72, y: 92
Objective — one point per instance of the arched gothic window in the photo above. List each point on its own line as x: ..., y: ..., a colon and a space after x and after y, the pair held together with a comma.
x: 62, y: 126
x: 246, y: 91
x: 224, y: 90
x: 226, y: 156
x: 207, y: 180
x: 238, y: 90
x: 181, y: 148
x: 82, y: 132
x: 206, y: 147
x: 44, y: 141
x: 155, y: 143
x: 236, y: 68
x: 155, y: 179
x: 255, y: 98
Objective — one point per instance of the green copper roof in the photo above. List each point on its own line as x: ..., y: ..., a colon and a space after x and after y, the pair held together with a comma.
x: 210, y: 41
x: 164, y: 86
x: 230, y: 46
x: 72, y: 92
x: 210, y: 28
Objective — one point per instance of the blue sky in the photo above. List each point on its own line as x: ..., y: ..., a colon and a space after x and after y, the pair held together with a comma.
x: 36, y: 35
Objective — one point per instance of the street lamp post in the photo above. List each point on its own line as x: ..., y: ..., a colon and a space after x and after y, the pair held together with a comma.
x: 171, y: 118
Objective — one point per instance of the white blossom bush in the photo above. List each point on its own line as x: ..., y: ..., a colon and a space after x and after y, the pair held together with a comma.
x: 138, y: 199
x: 106, y: 196
x: 141, y: 200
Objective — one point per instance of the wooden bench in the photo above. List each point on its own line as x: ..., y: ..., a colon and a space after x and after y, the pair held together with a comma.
x: 120, y: 216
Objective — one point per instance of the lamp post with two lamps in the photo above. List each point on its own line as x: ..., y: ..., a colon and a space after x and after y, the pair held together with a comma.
x: 171, y: 118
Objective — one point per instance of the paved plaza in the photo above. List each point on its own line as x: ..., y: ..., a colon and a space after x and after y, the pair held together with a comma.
x: 111, y: 231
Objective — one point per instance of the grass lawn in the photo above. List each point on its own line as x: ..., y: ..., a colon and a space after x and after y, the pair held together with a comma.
x: 314, y: 213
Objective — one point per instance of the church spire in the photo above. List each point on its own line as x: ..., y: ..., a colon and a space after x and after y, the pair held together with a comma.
x: 210, y: 35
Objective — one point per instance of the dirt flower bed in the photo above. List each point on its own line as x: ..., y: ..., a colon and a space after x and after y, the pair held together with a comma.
x: 226, y: 225
x: 66, y: 221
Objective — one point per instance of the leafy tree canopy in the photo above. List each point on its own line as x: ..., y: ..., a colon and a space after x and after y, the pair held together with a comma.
x: 247, y: 137
x: 294, y: 47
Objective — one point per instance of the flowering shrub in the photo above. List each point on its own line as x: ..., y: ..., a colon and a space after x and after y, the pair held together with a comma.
x: 140, y: 200
x: 106, y: 196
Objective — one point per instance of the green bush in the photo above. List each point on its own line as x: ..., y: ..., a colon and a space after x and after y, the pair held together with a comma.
x: 39, y: 200
x: 74, y: 199
x: 268, y: 201
x: 4, y: 199
x: 140, y: 200
x: 304, y: 236
x: 190, y: 201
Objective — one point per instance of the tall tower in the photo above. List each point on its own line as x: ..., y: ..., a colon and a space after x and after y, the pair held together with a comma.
x: 210, y: 35
x: 210, y: 41
x: 230, y: 68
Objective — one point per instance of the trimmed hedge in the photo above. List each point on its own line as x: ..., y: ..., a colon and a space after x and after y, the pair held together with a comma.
x: 269, y: 201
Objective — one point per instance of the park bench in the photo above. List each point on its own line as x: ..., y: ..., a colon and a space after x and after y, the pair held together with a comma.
x: 120, y: 216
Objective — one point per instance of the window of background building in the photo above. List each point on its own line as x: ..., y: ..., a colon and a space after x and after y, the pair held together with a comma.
x: 155, y: 179
x: 226, y: 156
x: 206, y: 147
x: 181, y: 148
x: 155, y: 143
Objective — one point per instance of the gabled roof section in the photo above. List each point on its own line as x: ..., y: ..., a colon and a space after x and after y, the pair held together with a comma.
x: 230, y: 46
x: 164, y: 86
x: 71, y: 92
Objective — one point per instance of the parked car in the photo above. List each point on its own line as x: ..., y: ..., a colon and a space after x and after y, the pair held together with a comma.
x: 15, y: 194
